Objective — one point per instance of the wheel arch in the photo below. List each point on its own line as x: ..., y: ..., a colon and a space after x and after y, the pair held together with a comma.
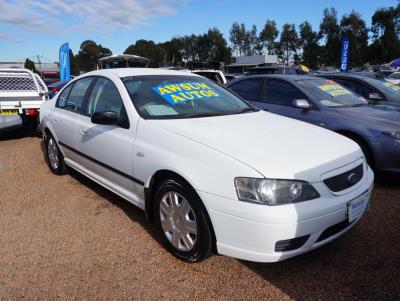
x: 150, y: 189
x: 359, y: 139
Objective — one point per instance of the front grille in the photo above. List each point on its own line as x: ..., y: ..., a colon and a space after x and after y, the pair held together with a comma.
x: 345, y: 180
x: 290, y: 244
x: 332, y: 230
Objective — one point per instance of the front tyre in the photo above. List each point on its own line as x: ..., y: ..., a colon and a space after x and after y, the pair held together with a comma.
x: 182, y: 221
x: 54, y: 157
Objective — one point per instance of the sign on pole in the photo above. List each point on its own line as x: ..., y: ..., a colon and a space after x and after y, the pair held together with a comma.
x: 65, y: 73
x: 345, y: 57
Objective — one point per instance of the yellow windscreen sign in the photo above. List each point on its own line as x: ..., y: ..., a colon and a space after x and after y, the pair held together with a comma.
x: 334, y: 90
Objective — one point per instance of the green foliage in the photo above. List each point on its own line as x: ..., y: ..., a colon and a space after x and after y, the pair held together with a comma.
x: 355, y: 29
x: 288, y: 43
x: 329, y: 31
x: 89, y: 54
x: 74, y: 65
x: 269, y: 35
x: 147, y: 49
x: 309, y: 44
x: 385, y: 29
x: 30, y: 65
x: 240, y: 39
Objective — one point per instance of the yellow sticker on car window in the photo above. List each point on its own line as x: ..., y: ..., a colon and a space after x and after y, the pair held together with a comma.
x: 392, y: 86
x: 334, y: 90
x: 178, y: 93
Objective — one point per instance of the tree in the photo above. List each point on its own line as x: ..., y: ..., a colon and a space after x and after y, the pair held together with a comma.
x: 173, y: 51
x: 288, y: 43
x: 256, y: 43
x: 189, y: 48
x: 309, y: 44
x: 329, y: 30
x: 89, y: 54
x: 386, y: 30
x: 240, y: 39
x: 74, y: 67
x: 217, y: 47
x: 269, y: 35
x: 148, y: 49
x: 30, y: 65
x: 354, y: 28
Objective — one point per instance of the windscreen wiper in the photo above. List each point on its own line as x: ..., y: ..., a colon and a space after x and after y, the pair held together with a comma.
x: 247, y: 109
x: 207, y: 114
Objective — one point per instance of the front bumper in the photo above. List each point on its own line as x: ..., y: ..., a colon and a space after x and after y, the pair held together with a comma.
x: 251, y: 231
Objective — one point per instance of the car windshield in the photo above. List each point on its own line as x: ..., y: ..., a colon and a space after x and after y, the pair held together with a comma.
x: 171, y: 97
x: 384, y: 86
x: 331, y: 94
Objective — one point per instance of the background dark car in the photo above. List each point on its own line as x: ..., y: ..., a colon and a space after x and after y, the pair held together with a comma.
x: 374, y: 90
x: 325, y: 103
x: 54, y: 88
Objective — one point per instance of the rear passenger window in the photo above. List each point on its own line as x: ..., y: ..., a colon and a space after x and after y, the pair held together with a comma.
x: 74, y: 100
x: 248, y: 89
x: 281, y: 93
x: 62, y: 99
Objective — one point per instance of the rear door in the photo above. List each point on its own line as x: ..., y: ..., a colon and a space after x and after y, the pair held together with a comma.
x: 107, y: 150
x: 249, y: 89
x: 66, y: 113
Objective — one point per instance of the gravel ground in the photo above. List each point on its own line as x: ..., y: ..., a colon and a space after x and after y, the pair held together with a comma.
x: 68, y: 238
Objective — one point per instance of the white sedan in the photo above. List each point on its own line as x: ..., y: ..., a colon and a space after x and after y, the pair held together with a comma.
x: 212, y: 172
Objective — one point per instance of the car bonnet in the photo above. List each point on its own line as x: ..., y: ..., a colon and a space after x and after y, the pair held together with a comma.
x: 275, y: 146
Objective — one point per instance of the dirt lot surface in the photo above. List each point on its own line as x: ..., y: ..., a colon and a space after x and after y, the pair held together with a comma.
x: 68, y: 238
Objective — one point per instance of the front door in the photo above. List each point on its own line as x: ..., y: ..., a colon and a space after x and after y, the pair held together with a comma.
x: 107, y: 150
x: 66, y: 113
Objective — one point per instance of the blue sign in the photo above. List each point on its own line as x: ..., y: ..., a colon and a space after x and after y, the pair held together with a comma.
x: 65, y: 73
x: 345, y: 57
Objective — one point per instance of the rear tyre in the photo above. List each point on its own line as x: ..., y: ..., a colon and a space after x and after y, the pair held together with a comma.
x: 54, y: 157
x: 182, y: 221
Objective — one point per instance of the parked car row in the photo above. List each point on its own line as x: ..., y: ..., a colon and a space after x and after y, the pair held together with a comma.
x: 326, y: 103
x: 210, y: 169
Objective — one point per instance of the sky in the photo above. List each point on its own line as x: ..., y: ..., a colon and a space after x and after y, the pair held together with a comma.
x: 39, y: 27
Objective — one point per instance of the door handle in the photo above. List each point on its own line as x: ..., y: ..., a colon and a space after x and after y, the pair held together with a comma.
x: 55, y: 120
x: 84, y: 132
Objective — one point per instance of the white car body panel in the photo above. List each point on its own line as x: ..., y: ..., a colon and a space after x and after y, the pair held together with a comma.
x: 210, y: 153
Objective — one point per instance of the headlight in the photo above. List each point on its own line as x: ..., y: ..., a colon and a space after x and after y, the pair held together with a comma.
x: 393, y: 134
x: 274, y: 192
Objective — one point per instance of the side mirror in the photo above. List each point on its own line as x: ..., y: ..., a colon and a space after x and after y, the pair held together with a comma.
x: 374, y: 96
x: 106, y: 118
x: 301, y: 104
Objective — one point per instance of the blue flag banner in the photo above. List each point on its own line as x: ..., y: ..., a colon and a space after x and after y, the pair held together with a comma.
x: 65, y: 73
x: 345, y: 57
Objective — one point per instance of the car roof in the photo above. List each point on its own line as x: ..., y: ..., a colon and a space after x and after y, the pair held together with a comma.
x: 340, y: 74
x: 290, y: 77
x: 125, y: 72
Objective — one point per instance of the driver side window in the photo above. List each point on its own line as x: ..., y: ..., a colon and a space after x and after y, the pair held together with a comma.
x: 105, y: 97
x: 281, y: 93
